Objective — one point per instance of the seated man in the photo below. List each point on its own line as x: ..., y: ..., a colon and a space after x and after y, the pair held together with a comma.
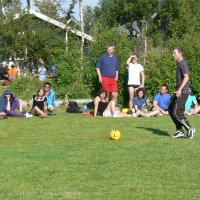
x: 189, y: 104
x: 50, y: 95
x: 3, y: 73
x: 161, y: 102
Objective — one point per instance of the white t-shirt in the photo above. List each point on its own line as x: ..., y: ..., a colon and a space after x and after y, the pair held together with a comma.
x: 134, y: 71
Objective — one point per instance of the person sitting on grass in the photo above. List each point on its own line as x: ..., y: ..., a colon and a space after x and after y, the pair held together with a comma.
x: 50, y: 95
x: 191, y: 100
x: 9, y: 104
x: 140, y: 102
x: 104, y: 108
x: 39, y: 104
x: 161, y: 102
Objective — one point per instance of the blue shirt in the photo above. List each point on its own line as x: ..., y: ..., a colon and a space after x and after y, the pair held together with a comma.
x: 51, y: 98
x: 108, y: 65
x: 163, y: 100
x: 140, y: 102
x: 190, y: 100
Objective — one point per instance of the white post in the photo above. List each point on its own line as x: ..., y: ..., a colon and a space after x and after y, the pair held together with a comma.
x: 82, y: 26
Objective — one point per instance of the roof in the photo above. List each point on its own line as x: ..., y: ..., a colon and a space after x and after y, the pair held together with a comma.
x: 57, y: 23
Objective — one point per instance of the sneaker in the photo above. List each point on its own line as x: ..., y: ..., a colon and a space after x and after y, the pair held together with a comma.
x: 135, y: 114
x: 191, y: 133
x: 178, y: 134
x: 28, y: 115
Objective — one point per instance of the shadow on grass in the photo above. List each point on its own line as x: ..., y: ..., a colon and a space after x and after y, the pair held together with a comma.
x: 155, y: 131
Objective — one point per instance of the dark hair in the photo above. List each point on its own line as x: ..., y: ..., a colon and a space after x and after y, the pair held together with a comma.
x: 102, y: 91
x: 164, y: 85
x: 47, y: 83
x: 141, y: 90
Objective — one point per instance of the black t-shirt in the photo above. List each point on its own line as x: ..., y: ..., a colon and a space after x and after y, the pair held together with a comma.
x: 101, y: 107
x: 182, y: 69
x: 39, y: 103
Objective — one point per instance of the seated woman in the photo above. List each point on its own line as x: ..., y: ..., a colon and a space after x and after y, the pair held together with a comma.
x: 104, y: 108
x: 140, y: 102
x: 9, y: 104
x: 39, y: 104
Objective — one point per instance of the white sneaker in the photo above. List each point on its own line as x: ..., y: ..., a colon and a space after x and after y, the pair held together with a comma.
x: 28, y: 115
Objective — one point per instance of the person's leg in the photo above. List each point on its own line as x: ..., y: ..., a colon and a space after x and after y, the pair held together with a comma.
x: 171, y: 110
x: 131, y: 92
x: 179, y: 111
x: 14, y: 114
x: 154, y: 112
x: 113, y: 89
x: 196, y: 110
x: 17, y: 105
x: 114, y: 96
x: 37, y: 111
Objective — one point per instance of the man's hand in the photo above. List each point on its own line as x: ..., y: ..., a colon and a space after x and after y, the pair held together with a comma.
x: 178, y: 93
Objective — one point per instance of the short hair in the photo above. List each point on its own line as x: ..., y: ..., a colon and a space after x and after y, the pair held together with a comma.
x: 141, y: 90
x: 135, y: 54
x: 180, y: 50
x: 164, y: 85
x: 110, y: 45
x: 47, y: 83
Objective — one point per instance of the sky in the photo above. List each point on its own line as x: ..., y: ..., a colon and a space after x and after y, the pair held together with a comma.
x: 76, y: 10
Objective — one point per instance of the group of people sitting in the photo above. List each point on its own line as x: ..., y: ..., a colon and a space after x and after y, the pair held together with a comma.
x: 42, y: 103
x: 12, y: 70
x: 142, y: 105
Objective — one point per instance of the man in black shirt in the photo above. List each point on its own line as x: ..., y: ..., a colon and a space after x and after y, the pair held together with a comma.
x: 177, y: 105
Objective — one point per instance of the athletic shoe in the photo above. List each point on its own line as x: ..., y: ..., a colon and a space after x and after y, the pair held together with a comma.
x: 178, y: 134
x: 191, y: 133
x: 28, y: 115
x: 135, y: 114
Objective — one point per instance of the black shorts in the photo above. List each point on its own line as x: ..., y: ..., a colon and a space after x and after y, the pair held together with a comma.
x: 134, y: 86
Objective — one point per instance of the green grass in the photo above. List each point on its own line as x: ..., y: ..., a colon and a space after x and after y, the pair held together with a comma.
x: 69, y: 156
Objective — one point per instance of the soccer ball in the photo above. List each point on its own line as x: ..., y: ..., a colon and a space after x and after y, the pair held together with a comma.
x: 125, y: 110
x: 115, y: 135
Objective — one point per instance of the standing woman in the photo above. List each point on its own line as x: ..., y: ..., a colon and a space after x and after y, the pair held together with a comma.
x: 39, y: 104
x: 135, y: 78
x: 42, y: 71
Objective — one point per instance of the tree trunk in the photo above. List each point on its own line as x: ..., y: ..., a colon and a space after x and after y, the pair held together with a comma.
x: 82, y: 26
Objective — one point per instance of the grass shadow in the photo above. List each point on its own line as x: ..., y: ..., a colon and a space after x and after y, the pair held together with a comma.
x: 155, y: 131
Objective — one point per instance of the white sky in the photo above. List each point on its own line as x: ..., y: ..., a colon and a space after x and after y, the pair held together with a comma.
x: 76, y: 10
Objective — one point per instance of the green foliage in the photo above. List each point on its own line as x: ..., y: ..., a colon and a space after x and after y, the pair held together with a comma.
x: 160, y: 68
x: 25, y: 87
x: 70, y: 72
x: 190, y: 44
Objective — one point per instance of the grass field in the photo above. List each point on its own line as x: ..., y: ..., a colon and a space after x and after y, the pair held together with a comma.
x: 69, y: 156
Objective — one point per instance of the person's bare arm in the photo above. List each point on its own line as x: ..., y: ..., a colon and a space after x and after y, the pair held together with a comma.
x: 142, y: 79
x: 99, y: 75
x: 117, y: 75
x: 96, y: 103
x: 129, y: 59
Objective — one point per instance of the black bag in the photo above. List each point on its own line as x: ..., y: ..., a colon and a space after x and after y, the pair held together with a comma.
x: 73, y: 107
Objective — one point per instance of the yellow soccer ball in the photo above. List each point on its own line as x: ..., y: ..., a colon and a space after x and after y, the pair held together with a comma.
x: 115, y: 135
x: 125, y: 110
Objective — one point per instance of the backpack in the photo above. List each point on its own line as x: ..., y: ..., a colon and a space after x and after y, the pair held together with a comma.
x: 73, y: 107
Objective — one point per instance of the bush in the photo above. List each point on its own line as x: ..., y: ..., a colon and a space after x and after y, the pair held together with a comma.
x: 25, y: 87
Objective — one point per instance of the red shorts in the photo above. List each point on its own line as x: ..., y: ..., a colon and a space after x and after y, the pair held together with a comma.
x: 109, y: 84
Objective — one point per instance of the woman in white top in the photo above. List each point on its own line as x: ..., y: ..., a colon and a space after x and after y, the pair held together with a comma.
x: 135, y: 77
